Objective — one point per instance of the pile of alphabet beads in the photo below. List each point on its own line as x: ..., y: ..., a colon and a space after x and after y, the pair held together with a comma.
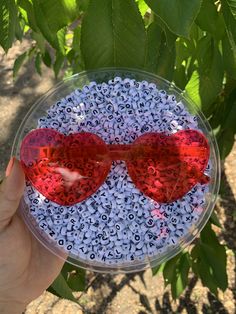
x: 118, y: 223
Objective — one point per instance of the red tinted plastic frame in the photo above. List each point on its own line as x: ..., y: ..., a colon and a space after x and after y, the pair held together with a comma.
x: 68, y: 169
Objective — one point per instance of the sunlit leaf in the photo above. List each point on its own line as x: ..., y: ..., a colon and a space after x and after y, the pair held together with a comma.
x: 61, y: 41
x: 57, y: 13
x: 143, y: 7
x: 192, y: 89
x: 42, y: 24
x: 206, y: 82
x: 8, y: 16
x: 28, y: 8
x: 157, y: 269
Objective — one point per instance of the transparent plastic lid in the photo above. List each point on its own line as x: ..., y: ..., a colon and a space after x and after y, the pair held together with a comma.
x: 122, y: 170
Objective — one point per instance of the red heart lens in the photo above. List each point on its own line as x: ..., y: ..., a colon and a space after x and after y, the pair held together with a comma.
x: 68, y: 169
x: 65, y: 169
x: 165, y: 168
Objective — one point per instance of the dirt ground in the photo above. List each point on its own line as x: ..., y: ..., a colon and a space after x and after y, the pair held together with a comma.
x: 122, y: 294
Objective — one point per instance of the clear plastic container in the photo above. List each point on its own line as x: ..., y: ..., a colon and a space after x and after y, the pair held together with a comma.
x: 103, y: 75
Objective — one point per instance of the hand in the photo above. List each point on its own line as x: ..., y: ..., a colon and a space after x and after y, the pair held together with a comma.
x: 26, y: 267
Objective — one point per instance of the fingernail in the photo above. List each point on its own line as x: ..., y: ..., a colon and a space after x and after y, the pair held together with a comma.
x: 9, y: 166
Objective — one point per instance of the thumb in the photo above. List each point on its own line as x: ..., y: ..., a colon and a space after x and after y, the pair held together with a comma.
x: 11, y: 190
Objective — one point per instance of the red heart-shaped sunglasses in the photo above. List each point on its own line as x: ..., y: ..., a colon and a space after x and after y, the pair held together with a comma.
x: 68, y: 169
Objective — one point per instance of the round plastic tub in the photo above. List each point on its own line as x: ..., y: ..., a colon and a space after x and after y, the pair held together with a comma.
x: 77, y: 82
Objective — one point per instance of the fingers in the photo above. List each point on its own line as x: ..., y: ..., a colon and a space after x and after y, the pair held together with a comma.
x: 11, y: 190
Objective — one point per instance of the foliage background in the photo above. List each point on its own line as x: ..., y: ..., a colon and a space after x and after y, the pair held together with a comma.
x: 192, y: 43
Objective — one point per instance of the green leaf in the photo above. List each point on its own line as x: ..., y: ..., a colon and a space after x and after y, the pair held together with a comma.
x: 18, y: 63
x: 232, y: 7
x: 58, y: 64
x: 83, y: 5
x: 78, y: 64
x: 42, y: 23
x: 120, y: 37
x: 77, y: 280
x: 66, y: 269
x: 178, y: 15
x: 74, y: 55
x: 179, y: 284
x: 214, y: 219
x: 184, y: 50
x: 40, y: 40
x: 76, y: 39
x: 51, y: 290
x: 71, y: 56
x: 180, y: 77
x: 57, y: 13
x: 209, y: 261
x: 216, y: 258
x: 47, y: 59
x: 184, y: 53
x: 37, y: 63
x: 61, y: 40
x: 210, y: 20
x: 192, y: 89
x: 166, y: 60
x: 154, y: 37
x: 62, y: 289
x: 143, y: 7
x: 205, y: 273
x: 158, y: 269
x: 170, y: 37
x: 228, y: 10
x: 202, y: 269
x: 226, y: 142
x: 19, y: 28
x: 8, y: 17
x: 74, y: 276
x: 28, y: 7
x: 225, y: 138
x: 160, y: 50
x: 169, y: 271
x: 229, y: 58
x: 31, y: 52
x: 215, y: 255
x: 206, y: 83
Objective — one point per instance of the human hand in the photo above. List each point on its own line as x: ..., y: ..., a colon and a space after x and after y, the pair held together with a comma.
x: 27, y: 268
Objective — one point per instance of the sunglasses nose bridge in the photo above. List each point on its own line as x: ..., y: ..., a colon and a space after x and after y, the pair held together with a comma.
x: 119, y: 151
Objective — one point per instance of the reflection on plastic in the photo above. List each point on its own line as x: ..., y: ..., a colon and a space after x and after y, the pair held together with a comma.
x: 68, y: 169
